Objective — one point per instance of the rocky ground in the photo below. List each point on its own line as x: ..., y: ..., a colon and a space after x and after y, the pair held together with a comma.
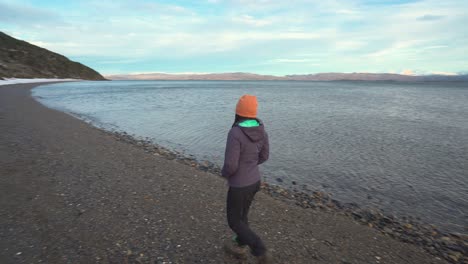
x: 70, y: 193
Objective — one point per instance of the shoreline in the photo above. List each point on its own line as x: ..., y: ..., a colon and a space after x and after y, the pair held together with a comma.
x: 102, y: 179
x: 407, y: 229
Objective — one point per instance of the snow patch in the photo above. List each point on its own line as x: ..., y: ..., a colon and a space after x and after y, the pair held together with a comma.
x: 15, y: 81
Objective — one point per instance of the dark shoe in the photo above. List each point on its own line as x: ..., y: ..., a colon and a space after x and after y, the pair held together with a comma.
x: 234, y: 249
x: 265, y: 259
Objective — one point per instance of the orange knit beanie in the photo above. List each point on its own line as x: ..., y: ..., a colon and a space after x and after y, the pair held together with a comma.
x: 247, y: 106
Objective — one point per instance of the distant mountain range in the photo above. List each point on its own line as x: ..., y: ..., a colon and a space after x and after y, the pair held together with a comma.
x: 20, y: 59
x: 239, y: 76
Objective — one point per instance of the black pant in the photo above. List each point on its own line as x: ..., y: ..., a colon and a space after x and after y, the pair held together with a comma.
x: 239, y: 200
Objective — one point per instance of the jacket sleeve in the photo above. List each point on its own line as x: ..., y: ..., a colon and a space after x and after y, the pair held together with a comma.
x: 264, y: 153
x: 231, y: 156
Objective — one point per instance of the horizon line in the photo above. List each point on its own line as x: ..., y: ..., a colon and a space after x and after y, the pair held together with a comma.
x: 412, y: 74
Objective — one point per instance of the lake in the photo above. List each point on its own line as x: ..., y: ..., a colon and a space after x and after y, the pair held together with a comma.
x: 400, y: 147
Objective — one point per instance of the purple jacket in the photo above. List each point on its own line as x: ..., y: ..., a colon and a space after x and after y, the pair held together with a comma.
x: 246, y: 148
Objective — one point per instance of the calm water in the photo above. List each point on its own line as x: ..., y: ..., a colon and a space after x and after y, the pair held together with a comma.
x: 401, y: 147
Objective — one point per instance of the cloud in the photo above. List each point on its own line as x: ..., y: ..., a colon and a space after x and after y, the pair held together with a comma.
x: 349, y: 44
x: 401, y: 47
x: 346, y: 12
x: 429, y: 18
x: 251, y: 21
x: 435, y: 47
x: 344, y: 35
x: 293, y: 60
x: 27, y: 15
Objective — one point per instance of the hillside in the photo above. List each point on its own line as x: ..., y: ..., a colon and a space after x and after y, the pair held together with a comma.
x: 20, y: 59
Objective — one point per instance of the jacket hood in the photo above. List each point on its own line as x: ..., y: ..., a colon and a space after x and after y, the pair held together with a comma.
x: 254, y: 133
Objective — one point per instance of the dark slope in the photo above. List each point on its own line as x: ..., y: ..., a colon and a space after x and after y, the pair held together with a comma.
x: 20, y: 59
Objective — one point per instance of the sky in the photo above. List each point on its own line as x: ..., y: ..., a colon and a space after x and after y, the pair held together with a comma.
x: 259, y: 36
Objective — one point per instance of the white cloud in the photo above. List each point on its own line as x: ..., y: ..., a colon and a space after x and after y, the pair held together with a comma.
x: 435, y: 47
x: 251, y: 21
x: 349, y: 44
x: 346, y: 12
x: 345, y: 33
x: 398, y: 48
x: 293, y: 60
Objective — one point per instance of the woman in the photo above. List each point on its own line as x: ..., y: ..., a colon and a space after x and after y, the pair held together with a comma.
x: 247, y: 147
